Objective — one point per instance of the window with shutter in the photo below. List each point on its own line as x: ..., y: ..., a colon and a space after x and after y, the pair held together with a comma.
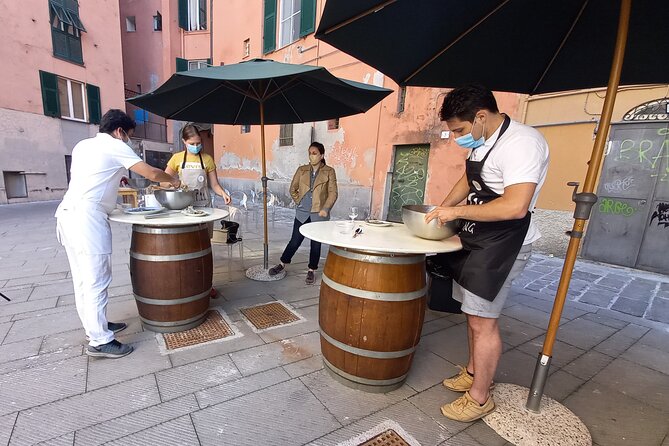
x: 66, y: 29
x: 94, y: 105
x: 269, y: 27
x: 289, y: 26
x: 49, y: 83
x: 307, y: 17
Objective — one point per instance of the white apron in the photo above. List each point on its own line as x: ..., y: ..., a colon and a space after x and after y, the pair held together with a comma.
x: 196, y: 179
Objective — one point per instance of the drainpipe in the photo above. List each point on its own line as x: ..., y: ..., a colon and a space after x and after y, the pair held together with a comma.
x: 211, y: 31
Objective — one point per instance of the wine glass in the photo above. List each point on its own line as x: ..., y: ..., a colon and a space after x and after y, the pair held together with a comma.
x: 353, y: 213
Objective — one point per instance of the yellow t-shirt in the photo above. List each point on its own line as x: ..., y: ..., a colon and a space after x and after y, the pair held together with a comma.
x: 192, y: 162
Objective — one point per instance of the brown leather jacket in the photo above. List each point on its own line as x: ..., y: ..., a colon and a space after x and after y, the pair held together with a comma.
x: 325, y: 187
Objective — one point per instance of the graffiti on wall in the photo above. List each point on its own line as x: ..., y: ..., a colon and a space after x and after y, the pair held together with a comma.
x: 619, y: 184
x: 647, y: 153
x: 661, y: 213
x: 615, y: 207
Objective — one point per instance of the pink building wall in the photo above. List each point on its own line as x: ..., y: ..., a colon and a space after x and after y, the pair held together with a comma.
x: 362, y: 149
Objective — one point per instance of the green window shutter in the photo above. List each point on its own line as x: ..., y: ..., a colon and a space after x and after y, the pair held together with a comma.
x: 183, y: 15
x: 307, y: 17
x: 208, y: 61
x: 94, y: 109
x: 269, y: 27
x: 182, y: 64
x: 49, y: 83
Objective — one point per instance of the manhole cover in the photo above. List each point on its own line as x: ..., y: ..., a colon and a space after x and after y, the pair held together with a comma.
x: 269, y: 315
x: 214, y: 327
x: 387, y: 438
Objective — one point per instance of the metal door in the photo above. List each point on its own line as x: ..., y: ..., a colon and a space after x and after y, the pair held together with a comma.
x: 634, y: 164
x: 409, y: 177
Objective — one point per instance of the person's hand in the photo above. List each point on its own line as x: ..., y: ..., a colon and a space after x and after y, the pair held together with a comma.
x: 226, y: 198
x: 323, y: 213
x: 443, y: 214
x: 175, y: 183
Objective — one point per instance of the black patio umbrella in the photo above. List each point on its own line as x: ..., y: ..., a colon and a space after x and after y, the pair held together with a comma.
x: 259, y: 92
x: 523, y: 46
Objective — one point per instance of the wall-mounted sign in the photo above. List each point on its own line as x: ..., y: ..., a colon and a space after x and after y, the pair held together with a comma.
x: 656, y: 110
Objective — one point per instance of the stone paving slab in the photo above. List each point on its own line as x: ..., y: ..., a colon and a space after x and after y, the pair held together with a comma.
x: 241, y: 386
x: 138, y: 421
x: 178, y: 432
x: 81, y: 411
x: 265, y: 357
x: 196, y: 376
x: 290, y: 414
x: 6, y: 427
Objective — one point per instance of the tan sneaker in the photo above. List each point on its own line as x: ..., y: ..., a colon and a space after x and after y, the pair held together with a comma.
x: 461, y: 382
x: 467, y: 409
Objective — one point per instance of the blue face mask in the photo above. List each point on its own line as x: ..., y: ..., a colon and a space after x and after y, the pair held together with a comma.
x: 468, y: 142
x: 194, y: 149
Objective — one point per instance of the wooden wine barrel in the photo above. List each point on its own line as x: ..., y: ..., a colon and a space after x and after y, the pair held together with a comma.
x: 371, y: 314
x: 171, y: 270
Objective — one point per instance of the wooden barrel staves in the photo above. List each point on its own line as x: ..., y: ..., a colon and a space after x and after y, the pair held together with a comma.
x: 171, y: 271
x: 371, y: 314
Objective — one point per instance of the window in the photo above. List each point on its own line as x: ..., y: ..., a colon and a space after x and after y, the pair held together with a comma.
x: 158, y: 22
x: 66, y: 29
x: 246, y: 128
x: 289, y: 25
x: 130, y: 24
x: 70, y: 99
x: 15, y: 184
x: 197, y: 64
x: 333, y: 124
x: 401, y: 99
x: 297, y: 19
x: 247, y: 48
x: 286, y: 135
x: 193, y: 15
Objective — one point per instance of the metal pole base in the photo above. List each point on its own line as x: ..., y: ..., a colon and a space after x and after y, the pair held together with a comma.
x: 538, y: 383
x: 261, y: 274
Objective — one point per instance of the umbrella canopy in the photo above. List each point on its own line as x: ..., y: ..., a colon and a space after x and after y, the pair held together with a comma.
x: 259, y: 92
x: 230, y: 94
x: 523, y: 46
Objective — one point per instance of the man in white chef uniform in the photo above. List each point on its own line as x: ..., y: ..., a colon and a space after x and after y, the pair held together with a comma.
x: 82, y: 227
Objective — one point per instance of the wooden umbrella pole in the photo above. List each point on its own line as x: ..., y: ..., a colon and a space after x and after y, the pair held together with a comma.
x: 264, y: 187
x: 584, y: 202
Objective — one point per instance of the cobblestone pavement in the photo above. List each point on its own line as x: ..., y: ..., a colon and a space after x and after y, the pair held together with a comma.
x: 610, y: 364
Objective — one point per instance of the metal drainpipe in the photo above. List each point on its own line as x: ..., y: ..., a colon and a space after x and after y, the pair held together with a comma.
x: 211, y: 31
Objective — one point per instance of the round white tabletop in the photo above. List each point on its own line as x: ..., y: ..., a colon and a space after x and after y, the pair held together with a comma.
x: 394, y: 239
x: 173, y: 218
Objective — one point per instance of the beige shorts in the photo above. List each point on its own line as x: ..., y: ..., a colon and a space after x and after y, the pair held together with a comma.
x: 478, y: 306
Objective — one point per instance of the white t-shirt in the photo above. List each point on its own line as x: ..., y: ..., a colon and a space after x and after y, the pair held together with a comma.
x: 97, y: 167
x: 521, y: 156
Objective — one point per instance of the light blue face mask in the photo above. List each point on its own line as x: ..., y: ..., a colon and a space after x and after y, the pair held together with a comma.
x: 468, y: 142
x: 193, y: 148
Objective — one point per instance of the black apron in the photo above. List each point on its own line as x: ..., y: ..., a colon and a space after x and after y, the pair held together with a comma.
x: 489, y: 248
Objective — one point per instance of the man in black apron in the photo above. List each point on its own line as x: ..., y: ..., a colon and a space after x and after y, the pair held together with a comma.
x: 507, y: 162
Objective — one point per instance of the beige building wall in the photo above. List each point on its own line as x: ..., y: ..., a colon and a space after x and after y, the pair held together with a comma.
x: 31, y: 142
x: 568, y: 121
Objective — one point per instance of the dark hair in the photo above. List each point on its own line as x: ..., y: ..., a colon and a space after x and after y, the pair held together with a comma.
x: 464, y: 102
x: 188, y: 131
x: 321, y: 149
x: 114, y: 119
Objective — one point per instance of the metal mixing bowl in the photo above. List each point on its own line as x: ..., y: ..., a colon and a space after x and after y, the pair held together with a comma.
x: 175, y: 199
x: 139, y: 183
x: 413, y: 217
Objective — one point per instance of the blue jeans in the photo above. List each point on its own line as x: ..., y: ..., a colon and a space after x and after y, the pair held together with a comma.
x: 295, y: 242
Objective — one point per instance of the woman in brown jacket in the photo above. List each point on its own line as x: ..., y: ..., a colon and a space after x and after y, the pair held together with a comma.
x: 314, y: 190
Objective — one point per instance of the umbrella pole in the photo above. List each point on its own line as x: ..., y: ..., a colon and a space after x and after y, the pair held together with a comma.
x: 584, y: 202
x: 264, y: 187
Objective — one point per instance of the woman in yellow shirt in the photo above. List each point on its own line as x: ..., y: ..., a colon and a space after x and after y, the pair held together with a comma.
x: 195, y: 169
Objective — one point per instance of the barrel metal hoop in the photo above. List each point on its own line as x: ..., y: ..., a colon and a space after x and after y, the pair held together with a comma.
x: 169, y: 302
x: 374, y: 295
x: 382, y: 258
x: 170, y: 257
x: 358, y: 379
x: 167, y: 231
x: 367, y: 353
x: 173, y: 323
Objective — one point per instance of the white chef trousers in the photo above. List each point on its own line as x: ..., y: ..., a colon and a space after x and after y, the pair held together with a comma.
x: 90, y: 269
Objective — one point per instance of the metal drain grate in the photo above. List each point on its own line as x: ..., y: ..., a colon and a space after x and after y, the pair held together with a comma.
x: 269, y: 315
x: 214, y: 327
x: 387, y: 438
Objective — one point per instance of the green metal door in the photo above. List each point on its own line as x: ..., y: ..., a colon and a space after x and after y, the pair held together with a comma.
x: 408, y: 178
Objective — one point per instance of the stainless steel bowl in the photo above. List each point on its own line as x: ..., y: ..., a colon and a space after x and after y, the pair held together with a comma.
x: 413, y: 217
x: 175, y: 199
x: 139, y: 183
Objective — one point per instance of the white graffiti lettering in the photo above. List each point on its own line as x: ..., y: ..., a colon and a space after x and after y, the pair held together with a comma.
x: 619, y: 185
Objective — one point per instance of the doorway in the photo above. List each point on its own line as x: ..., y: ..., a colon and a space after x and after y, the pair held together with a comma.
x: 408, y: 178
